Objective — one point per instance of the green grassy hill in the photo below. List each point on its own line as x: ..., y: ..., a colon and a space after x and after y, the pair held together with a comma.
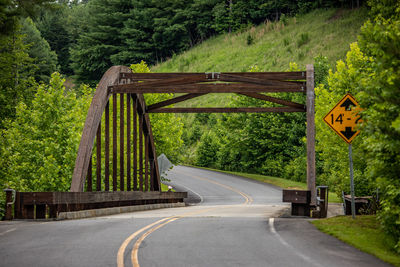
x: 271, y: 46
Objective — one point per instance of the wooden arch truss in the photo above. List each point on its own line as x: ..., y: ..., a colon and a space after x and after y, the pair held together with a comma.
x: 132, y: 163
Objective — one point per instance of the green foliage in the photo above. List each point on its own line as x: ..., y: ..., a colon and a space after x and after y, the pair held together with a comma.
x: 53, y: 25
x: 206, y: 154
x: 92, y: 55
x: 11, y: 11
x: 44, y: 59
x: 261, y: 143
x: 16, y: 69
x: 167, y: 128
x: 321, y: 70
x: 372, y: 74
x: 332, y: 149
x: 38, y: 148
x: 380, y: 96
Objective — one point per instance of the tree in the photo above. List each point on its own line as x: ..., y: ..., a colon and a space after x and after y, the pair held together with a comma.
x: 16, y: 69
x: 44, y: 59
x: 11, y: 11
x: 380, y: 96
x: 53, y: 26
x: 332, y: 149
x: 38, y: 149
x: 94, y: 51
x: 206, y: 153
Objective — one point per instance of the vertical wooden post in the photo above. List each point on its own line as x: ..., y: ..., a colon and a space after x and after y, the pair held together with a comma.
x: 17, y: 206
x: 128, y: 142
x: 114, y: 142
x: 310, y: 102
x: 98, y: 158
x: 89, y: 176
x: 9, y: 195
x: 146, y: 162
x: 152, y: 174
x: 135, y: 143
x: 107, y: 148
x: 140, y: 163
x: 121, y: 143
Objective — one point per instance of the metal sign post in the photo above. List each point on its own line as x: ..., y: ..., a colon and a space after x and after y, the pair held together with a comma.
x: 343, y: 120
x: 353, y: 204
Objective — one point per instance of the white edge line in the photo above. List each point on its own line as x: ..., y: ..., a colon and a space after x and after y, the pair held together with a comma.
x: 278, y: 236
x: 8, y: 231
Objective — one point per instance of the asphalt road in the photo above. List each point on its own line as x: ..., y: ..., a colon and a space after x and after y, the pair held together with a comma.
x: 229, y: 221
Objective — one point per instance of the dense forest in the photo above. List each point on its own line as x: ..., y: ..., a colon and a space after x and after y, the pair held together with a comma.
x: 52, y: 54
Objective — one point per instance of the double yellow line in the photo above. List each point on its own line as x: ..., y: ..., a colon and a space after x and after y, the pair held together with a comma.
x: 153, y: 227
x: 160, y: 223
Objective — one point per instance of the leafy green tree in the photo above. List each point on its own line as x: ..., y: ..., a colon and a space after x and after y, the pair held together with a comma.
x: 206, y: 153
x: 332, y: 149
x: 16, y: 69
x: 167, y: 128
x: 372, y: 74
x: 38, y: 148
x: 379, y: 94
x: 44, y: 59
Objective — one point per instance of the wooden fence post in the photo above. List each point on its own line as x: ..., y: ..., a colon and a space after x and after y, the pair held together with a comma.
x: 9, y: 200
x: 310, y: 102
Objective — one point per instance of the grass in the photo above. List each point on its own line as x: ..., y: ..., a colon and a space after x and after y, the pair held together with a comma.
x: 279, y: 182
x: 363, y: 233
x: 273, y: 44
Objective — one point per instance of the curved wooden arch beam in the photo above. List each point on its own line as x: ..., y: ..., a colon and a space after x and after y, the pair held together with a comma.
x: 96, y: 109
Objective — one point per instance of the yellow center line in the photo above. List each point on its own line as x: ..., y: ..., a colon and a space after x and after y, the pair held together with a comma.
x: 160, y: 223
x: 135, y: 250
x: 134, y: 255
x: 121, y: 251
x: 248, y: 199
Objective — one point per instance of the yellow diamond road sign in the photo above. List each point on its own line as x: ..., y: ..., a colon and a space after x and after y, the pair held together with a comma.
x: 343, y: 118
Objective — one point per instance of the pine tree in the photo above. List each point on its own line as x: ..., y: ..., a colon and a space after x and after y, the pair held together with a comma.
x: 39, y: 50
x: 95, y: 49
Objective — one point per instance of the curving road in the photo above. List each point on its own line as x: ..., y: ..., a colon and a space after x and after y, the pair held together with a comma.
x: 229, y: 221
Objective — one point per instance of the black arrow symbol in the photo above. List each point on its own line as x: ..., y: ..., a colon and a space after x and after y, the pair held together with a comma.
x: 348, y: 133
x: 347, y: 104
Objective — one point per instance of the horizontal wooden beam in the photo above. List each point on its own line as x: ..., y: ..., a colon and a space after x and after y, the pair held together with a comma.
x: 226, y: 110
x: 31, y: 198
x: 282, y: 76
x: 195, y: 78
x: 172, y: 101
x: 275, y: 100
x: 208, y: 88
x: 257, y: 80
